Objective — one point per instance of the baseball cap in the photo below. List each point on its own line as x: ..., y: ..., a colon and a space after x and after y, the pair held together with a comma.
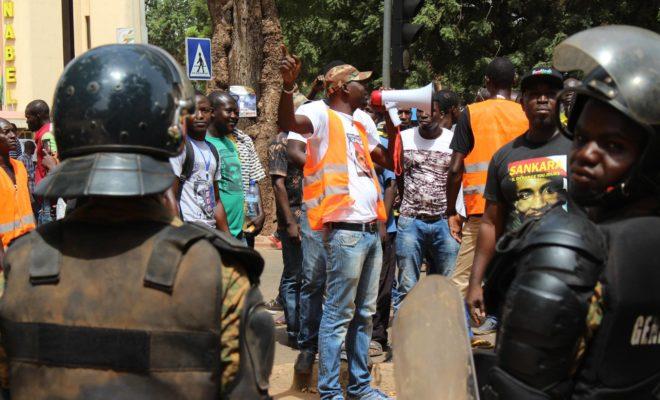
x: 341, y: 75
x: 544, y: 74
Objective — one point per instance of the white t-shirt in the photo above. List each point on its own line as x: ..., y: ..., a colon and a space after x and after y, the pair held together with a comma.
x: 360, y: 182
x: 197, y: 197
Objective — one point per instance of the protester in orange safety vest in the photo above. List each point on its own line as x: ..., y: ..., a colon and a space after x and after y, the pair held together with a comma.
x: 16, y: 216
x: 482, y: 129
x: 342, y: 197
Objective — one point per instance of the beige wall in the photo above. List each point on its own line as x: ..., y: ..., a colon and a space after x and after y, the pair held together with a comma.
x: 39, y: 42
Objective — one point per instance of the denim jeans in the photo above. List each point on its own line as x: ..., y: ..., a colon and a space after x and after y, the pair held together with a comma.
x: 292, y: 258
x: 415, y: 240
x: 312, y: 284
x: 45, y: 213
x: 352, y: 272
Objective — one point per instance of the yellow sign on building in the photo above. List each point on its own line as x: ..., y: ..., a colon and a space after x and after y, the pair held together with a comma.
x: 40, y: 37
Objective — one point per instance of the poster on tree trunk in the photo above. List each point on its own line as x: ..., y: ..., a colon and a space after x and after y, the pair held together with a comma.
x: 246, y: 99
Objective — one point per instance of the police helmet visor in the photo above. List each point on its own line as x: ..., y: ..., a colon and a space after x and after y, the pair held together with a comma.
x: 629, y: 55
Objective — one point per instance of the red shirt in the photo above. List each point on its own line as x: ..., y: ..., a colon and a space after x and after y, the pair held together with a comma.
x: 40, y: 171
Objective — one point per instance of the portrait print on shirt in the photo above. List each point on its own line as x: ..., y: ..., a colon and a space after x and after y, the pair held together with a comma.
x: 358, y: 154
x: 537, y: 184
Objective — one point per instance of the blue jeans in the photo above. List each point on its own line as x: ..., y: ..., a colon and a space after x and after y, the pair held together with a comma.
x: 416, y: 239
x: 292, y: 258
x: 352, y: 271
x: 312, y: 284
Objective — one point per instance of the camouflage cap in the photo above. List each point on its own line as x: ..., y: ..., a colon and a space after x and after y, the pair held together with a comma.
x: 341, y: 75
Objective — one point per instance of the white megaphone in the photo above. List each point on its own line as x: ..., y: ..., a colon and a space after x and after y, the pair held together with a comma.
x: 412, y: 98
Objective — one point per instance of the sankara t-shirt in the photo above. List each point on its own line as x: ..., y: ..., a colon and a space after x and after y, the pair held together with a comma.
x: 231, y: 182
x: 197, y: 195
x: 425, y: 167
x: 528, y: 178
x: 360, y: 181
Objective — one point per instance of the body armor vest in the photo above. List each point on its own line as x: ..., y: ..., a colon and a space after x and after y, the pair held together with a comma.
x: 623, y: 358
x: 103, y: 312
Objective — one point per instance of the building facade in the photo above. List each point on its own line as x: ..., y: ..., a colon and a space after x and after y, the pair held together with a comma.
x: 39, y: 37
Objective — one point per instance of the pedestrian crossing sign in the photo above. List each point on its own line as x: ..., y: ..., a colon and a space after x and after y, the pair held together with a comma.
x: 198, y: 59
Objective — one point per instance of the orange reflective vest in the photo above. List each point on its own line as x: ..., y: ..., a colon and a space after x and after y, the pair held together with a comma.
x: 325, y: 191
x: 16, y: 216
x: 494, y: 123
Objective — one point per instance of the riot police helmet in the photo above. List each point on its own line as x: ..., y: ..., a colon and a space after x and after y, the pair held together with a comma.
x: 118, y: 116
x: 621, y: 67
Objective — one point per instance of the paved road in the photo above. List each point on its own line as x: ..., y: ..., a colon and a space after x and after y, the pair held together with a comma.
x: 270, y: 281
x: 282, y: 376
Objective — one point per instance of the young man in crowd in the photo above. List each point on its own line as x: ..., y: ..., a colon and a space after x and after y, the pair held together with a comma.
x: 526, y: 177
x: 287, y: 178
x: 37, y: 115
x: 238, y: 147
x: 581, y: 319
x: 313, y: 277
x: 223, y: 119
x: 405, y: 115
x: 15, y: 154
x: 342, y: 198
x: 388, y: 184
x: 15, y: 209
x: 422, y: 225
x: 195, y: 193
x: 26, y: 159
x: 451, y: 115
x: 482, y: 129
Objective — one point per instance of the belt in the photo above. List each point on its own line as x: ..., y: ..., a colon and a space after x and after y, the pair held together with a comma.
x: 371, y: 227
x: 430, y: 219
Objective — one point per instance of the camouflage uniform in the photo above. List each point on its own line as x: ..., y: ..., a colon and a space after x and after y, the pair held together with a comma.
x: 235, y: 282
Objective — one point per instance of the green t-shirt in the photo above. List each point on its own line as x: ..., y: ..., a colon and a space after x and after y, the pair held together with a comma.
x: 231, y: 183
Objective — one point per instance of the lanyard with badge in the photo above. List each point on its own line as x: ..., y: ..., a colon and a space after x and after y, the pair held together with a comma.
x: 207, y: 163
x: 207, y: 176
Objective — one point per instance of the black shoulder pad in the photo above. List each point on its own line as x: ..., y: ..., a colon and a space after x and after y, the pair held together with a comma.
x: 231, y: 247
x: 170, y: 246
x: 46, y: 257
x: 565, y: 229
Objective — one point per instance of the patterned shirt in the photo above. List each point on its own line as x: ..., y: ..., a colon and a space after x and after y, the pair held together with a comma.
x: 251, y: 168
x: 279, y: 165
x: 26, y: 159
x: 425, y: 166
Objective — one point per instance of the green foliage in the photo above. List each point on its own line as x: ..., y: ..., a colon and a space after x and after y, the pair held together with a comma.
x: 459, y: 39
x: 169, y: 22
x: 320, y: 31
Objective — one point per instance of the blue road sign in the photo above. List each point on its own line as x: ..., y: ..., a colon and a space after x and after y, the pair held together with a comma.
x: 198, y: 59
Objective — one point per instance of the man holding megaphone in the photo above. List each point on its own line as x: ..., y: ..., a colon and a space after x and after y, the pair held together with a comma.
x: 343, y: 199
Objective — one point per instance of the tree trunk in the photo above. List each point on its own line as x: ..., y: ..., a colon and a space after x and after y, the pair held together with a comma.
x: 246, y: 51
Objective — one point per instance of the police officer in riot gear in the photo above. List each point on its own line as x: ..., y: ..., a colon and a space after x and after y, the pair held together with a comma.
x: 120, y: 299
x: 582, y: 317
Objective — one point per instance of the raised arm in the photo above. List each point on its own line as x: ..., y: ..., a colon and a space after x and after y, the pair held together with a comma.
x: 286, y: 118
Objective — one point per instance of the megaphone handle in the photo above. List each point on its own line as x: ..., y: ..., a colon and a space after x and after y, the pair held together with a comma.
x: 394, y: 116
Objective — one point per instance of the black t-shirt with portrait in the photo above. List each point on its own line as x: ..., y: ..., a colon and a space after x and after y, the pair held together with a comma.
x: 528, y: 178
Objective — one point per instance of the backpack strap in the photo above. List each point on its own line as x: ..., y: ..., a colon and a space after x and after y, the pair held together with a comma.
x: 214, y: 151
x: 174, y: 242
x: 187, y: 167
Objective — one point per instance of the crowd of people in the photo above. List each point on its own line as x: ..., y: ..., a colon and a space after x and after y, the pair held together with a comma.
x: 460, y: 179
x: 365, y: 203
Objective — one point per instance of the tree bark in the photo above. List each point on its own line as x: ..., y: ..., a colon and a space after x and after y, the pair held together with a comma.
x: 246, y: 51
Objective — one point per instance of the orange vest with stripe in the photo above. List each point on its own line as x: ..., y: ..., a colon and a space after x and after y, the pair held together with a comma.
x: 494, y: 123
x: 16, y: 216
x: 325, y: 191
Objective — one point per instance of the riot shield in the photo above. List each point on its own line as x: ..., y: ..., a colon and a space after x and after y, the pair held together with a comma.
x: 432, y: 352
